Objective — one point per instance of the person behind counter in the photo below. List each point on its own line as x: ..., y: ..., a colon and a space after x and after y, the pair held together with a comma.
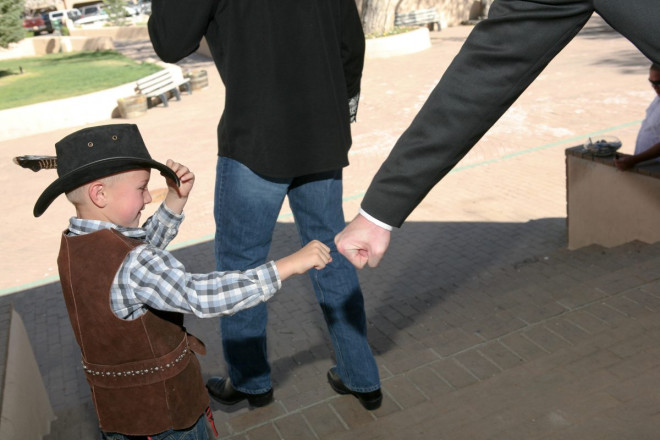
x: 647, y: 146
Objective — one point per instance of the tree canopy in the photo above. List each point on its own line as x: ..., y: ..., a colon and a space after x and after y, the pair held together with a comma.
x: 11, y: 21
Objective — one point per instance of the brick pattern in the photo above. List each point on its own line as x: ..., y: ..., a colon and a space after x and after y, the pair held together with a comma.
x: 451, y: 365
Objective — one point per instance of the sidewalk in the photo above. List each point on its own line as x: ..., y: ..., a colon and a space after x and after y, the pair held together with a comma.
x: 482, y: 325
x: 596, y: 85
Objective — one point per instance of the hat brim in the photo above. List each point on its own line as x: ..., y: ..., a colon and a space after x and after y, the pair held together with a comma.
x: 93, y: 171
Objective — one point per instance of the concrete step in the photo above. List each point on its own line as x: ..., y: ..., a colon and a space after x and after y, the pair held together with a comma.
x: 575, y: 356
x: 545, y: 346
x: 519, y: 349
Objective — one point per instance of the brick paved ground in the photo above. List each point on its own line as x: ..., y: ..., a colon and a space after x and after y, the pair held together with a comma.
x: 483, y: 326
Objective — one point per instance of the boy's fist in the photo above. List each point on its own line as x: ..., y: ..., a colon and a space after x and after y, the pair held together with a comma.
x: 313, y: 255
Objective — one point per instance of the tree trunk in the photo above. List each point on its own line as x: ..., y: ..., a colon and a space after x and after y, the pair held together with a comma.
x: 377, y: 15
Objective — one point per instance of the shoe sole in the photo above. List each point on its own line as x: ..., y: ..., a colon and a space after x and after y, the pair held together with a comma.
x: 371, y: 405
x: 260, y: 401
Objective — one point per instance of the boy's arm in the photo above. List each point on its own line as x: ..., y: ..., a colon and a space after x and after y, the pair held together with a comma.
x: 163, y: 226
x: 153, y: 277
x: 313, y: 255
x: 177, y: 196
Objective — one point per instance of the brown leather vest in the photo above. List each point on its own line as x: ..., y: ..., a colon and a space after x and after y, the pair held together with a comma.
x: 144, y: 375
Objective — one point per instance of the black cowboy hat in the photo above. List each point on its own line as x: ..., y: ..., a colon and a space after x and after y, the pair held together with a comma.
x: 97, y: 152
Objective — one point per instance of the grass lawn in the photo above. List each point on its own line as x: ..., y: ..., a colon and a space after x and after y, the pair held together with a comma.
x: 64, y: 75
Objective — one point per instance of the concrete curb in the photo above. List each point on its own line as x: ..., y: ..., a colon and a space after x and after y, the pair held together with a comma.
x: 401, y: 44
x: 62, y: 113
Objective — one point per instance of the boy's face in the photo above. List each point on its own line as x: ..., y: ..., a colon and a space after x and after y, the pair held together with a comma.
x: 126, y: 196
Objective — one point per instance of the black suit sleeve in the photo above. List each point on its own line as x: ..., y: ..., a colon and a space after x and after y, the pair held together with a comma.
x: 498, y: 61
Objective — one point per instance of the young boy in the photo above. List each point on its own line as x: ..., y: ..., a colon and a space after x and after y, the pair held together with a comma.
x: 126, y: 294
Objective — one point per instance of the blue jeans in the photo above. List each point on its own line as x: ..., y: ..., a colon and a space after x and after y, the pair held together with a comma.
x: 246, y: 210
x: 196, y: 432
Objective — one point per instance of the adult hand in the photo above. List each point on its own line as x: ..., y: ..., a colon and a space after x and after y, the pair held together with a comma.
x: 624, y: 162
x: 363, y: 242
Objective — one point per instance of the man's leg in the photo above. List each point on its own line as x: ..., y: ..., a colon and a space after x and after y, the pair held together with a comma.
x: 316, y: 202
x: 246, y: 210
x: 636, y: 20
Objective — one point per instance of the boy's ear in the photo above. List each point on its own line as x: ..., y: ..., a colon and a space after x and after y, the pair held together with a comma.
x: 96, y: 192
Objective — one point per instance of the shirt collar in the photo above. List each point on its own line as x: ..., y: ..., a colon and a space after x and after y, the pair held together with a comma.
x: 81, y: 226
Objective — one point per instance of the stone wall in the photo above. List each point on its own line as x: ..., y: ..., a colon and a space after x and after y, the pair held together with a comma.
x: 117, y: 33
x: 100, y: 38
x: 56, y: 44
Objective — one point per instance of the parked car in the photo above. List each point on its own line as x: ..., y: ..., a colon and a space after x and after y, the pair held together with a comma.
x: 36, y: 24
x: 90, y: 10
x: 51, y: 18
x: 73, y: 14
x: 92, y: 14
x: 102, y: 16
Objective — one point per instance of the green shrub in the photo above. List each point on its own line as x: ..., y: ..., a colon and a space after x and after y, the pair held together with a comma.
x: 11, y: 21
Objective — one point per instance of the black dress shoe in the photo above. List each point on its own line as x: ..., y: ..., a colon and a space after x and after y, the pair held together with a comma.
x: 370, y: 400
x: 221, y: 390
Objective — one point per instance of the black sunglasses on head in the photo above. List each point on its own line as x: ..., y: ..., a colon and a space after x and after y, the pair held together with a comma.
x: 655, y: 83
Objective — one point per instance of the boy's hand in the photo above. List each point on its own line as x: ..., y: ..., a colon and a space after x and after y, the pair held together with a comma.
x: 177, y: 196
x: 314, y: 255
x: 186, y: 177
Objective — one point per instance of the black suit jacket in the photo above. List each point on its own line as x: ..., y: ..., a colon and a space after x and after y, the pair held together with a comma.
x: 499, y: 60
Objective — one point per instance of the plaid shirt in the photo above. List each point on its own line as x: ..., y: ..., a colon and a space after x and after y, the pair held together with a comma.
x: 150, y: 277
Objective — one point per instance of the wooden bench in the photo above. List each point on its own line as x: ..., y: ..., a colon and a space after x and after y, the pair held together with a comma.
x: 161, y: 84
x: 420, y: 17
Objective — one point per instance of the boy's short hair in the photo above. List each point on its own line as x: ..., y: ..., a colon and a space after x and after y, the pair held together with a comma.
x: 78, y: 195
x: 96, y: 152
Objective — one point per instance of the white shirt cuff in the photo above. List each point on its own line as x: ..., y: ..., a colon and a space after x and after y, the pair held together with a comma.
x: 375, y: 221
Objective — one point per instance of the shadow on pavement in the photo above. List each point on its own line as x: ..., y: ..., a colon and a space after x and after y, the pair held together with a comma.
x: 426, y: 266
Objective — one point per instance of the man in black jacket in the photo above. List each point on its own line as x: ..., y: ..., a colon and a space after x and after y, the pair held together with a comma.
x: 291, y: 70
x: 499, y: 60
